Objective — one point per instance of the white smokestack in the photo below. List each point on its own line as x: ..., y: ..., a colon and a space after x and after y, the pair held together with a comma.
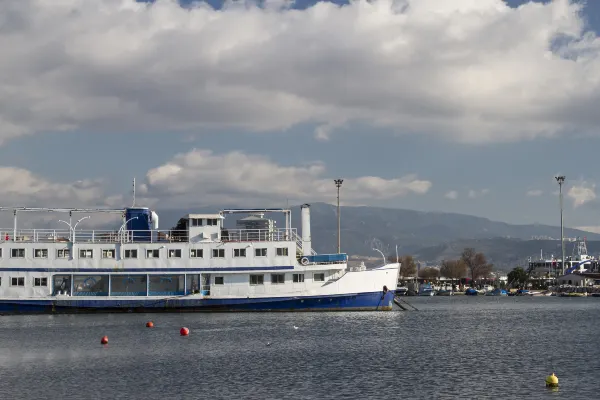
x: 306, y: 241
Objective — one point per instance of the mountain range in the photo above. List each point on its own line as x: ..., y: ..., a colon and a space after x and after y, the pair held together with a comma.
x: 428, y: 236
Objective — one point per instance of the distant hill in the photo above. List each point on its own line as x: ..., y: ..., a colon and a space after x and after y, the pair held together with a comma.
x: 431, y: 236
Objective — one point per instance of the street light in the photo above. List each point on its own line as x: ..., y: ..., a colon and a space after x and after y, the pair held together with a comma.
x: 561, y: 179
x: 72, y: 228
x: 338, y: 184
x: 124, y: 224
x: 380, y: 252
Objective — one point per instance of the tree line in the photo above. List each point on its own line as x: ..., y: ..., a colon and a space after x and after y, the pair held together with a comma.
x: 469, y: 263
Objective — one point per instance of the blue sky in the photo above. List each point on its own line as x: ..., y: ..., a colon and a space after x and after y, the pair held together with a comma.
x: 267, y: 107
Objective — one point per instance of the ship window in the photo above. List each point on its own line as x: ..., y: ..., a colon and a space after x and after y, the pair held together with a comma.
x: 277, y: 278
x: 196, y: 253
x: 257, y: 279
x: 211, y: 222
x: 196, y: 222
x: 175, y: 253
x: 219, y: 280
x: 40, y: 253
x: 218, y: 253
x: 108, y: 253
x: 86, y: 253
x: 17, y: 253
x: 40, y: 281
x: 0, y: 252
x: 131, y: 253
x: 239, y: 252
x: 153, y: 253
x: 19, y: 281
x: 63, y: 253
x: 298, y: 278
x: 320, y: 277
x: 282, y: 251
x: 260, y: 252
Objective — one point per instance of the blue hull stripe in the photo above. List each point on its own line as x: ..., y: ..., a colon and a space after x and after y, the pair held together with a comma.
x: 138, y: 270
x: 372, y: 301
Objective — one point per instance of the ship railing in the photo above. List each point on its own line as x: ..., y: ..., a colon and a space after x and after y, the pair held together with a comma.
x: 257, y: 235
x: 299, y: 244
x: 92, y: 236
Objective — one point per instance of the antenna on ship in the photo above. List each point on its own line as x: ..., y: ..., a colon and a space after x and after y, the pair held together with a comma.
x: 133, y: 192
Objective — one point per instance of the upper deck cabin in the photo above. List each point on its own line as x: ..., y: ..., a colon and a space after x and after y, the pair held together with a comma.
x: 141, y: 225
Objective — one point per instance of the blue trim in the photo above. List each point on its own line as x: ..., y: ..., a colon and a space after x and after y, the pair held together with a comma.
x: 142, y: 270
x: 321, y: 258
x: 370, y: 301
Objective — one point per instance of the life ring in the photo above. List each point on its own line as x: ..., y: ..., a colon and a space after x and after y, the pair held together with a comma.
x: 304, y: 261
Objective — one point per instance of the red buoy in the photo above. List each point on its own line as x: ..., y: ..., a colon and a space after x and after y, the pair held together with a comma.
x: 184, y: 331
x: 104, y: 340
x: 149, y: 324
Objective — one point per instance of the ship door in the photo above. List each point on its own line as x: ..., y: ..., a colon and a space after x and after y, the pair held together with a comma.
x: 205, y: 286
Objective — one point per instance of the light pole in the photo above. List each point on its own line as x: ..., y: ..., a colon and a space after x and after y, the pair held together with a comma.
x: 124, y: 224
x: 72, y: 228
x: 382, y: 255
x: 338, y: 185
x: 561, y: 179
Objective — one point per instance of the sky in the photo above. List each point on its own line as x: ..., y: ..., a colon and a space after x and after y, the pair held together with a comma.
x: 467, y: 106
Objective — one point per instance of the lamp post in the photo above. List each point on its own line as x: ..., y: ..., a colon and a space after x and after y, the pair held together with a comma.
x: 124, y: 224
x: 72, y: 228
x: 338, y: 185
x: 382, y: 255
x: 561, y: 179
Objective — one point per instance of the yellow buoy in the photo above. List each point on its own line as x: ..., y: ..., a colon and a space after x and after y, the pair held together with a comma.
x: 552, y: 381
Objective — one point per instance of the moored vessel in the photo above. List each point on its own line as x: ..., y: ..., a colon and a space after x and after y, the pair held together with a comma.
x: 200, y: 266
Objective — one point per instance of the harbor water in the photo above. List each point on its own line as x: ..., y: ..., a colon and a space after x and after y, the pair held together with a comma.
x: 452, y: 347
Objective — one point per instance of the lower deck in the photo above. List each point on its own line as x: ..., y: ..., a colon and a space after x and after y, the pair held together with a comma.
x: 32, y: 284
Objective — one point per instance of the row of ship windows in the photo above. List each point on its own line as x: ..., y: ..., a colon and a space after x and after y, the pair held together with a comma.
x: 20, y: 281
x: 259, y: 279
x: 255, y: 279
x: 150, y: 253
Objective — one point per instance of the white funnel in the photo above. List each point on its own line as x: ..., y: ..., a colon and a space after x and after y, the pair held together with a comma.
x: 306, y: 241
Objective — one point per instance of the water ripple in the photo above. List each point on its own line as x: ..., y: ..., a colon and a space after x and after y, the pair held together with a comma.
x: 462, y: 347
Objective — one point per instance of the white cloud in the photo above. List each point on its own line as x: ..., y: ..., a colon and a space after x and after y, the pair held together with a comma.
x: 472, y: 70
x: 22, y: 188
x: 235, y: 177
x: 477, y: 193
x: 582, y: 193
x: 452, y: 195
x: 534, y: 193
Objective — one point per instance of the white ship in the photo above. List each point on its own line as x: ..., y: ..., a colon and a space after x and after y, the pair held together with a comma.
x: 201, y: 266
x: 579, y: 262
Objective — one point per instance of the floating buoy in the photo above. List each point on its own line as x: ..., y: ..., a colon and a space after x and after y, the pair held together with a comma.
x: 552, y: 381
x: 184, y: 331
x: 104, y: 340
x: 149, y: 324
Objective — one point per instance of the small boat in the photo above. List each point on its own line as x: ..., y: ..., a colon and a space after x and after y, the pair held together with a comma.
x: 471, y: 292
x: 445, y: 292
x: 401, y: 291
x: 497, y: 292
x: 426, y: 290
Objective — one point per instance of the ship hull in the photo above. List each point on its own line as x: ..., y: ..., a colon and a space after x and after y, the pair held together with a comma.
x: 372, y: 301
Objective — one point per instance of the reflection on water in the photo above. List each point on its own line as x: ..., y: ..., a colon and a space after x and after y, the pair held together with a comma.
x: 467, y: 347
